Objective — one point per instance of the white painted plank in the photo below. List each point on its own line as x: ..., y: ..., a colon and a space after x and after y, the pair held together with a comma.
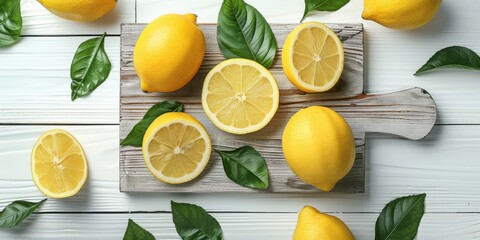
x: 391, y: 57
x: 265, y: 226
x: 35, y: 83
x: 445, y: 166
x: 39, y: 21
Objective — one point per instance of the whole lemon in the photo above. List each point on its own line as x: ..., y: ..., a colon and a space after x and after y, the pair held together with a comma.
x: 319, y: 147
x: 401, y: 14
x: 169, y: 52
x: 314, y: 225
x: 79, y: 10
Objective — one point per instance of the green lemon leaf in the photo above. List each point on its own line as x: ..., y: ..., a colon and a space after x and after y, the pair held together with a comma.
x: 243, y: 32
x: 135, y: 137
x: 453, y: 57
x: 194, y: 223
x: 135, y: 232
x: 246, y: 167
x: 16, y: 212
x: 322, y: 5
x: 90, y: 67
x: 10, y: 22
x: 400, y: 218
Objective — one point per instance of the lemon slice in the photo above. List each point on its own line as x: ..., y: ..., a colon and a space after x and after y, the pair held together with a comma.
x: 176, y: 148
x: 59, y: 166
x: 313, y: 57
x: 240, y: 96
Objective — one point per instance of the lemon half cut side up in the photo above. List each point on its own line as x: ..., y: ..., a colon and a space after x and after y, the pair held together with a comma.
x: 240, y: 96
x: 58, y: 164
x: 313, y: 57
x: 176, y: 148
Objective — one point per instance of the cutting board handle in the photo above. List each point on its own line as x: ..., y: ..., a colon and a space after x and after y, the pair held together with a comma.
x: 409, y: 113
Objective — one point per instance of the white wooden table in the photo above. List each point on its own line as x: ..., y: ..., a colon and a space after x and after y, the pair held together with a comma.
x: 35, y: 96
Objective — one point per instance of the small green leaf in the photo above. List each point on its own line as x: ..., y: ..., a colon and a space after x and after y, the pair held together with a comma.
x: 10, y: 22
x: 135, y: 232
x: 194, y: 223
x: 322, y: 5
x: 246, y: 167
x: 243, y: 32
x: 400, y: 218
x: 90, y: 67
x: 16, y: 212
x: 454, y: 57
x: 135, y: 137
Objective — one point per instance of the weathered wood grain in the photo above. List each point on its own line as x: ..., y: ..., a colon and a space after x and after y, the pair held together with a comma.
x: 409, y: 113
x: 135, y: 177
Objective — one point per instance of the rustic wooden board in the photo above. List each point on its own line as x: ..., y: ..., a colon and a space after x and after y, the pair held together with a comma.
x: 410, y: 113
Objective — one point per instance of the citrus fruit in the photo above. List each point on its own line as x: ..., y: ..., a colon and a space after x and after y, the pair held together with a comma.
x: 314, y: 225
x: 176, y: 148
x: 319, y: 147
x: 313, y: 57
x: 79, y: 10
x: 169, y: 52
x: 401, y: 14
x: 240, y: 96
x: 58, y: 163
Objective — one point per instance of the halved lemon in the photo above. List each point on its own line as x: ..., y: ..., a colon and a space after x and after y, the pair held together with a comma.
x: 240, y: 96
x: 176, y: 148
x: 313, y: 57
x: 58, y: 163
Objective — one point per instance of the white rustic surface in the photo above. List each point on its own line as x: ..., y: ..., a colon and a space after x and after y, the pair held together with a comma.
x: 245, y: 226
x: 35, y: 78
x: 35, y: 90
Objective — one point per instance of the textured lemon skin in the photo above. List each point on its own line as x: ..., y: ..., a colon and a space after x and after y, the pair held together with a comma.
x: 46, y: 192
x: 79, y: 10
x: 401, y: 14
x: 287, y: 59
x: 314, y: 225
x: 166, y: 119
x: 169, y: 52
x: 319, y: 146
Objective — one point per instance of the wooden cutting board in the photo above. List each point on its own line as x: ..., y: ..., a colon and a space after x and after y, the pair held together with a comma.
x: 410, y: 113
